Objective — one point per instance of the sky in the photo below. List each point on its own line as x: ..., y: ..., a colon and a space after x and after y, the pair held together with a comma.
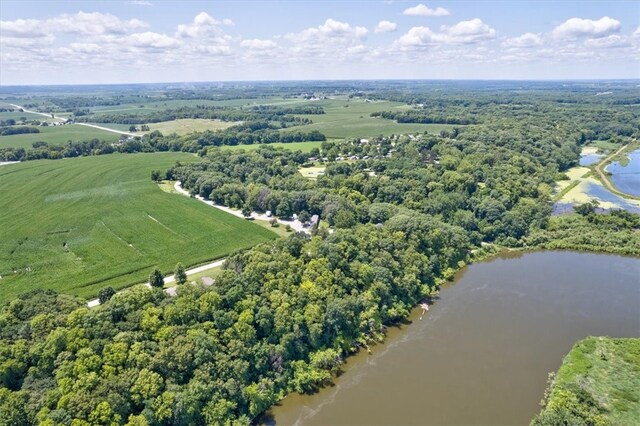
x: 147, y: 41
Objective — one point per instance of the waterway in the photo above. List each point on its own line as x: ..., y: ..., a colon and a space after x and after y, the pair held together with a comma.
x: 482, y: 354
x: 627, y: 177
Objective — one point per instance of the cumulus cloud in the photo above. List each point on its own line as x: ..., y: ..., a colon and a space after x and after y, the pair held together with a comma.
x: 257, y: 44
x: 577, y: 27
x: 94, y: 23
x: 385, y: 27
x: 27, y: 28
x: 464, y: 32
x: 525, y: 40
x: 330, y: 30
x: 422, y: 10
x: 152, y: 40
x: 203, y: 24
x: 636, y: 33
x: 610, y: 42
x: 469, y: 31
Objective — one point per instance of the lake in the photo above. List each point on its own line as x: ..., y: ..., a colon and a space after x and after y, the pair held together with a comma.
x: 627, y: 178
x: 482, y: 354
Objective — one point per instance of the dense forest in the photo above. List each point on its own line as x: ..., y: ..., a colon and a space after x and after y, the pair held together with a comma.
x: 406, y: 212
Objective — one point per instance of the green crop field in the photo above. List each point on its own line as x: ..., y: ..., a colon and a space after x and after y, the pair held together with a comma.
x: 57, y: 136
x: 81, y: 224
x: 350, y: 118
x: 293, y: 146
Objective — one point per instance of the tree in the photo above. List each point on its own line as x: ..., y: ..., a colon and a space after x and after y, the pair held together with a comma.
x: 105, y: 294
x: 180, y: 274
x: 156, y: 279
x: 132, y: 128
x: 246, y: 211
x: 155, y: 176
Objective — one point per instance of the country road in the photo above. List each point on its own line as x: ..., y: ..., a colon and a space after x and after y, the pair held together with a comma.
x: 120, y: 132
x: 603, y: 177
x: 170, y: 279
x: 296, y: 225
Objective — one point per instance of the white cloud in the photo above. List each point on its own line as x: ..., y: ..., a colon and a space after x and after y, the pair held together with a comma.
x: 610, y: 42
x: 469, y: 31
x: 203, y: 25
x: 257, y: 44
x: 636, y: 33
x: 577, y: 27
x: 525, y: 40
x: 27, y: 28
x: 93, y: 23
x: 152, y: 40
x: 464, y: 32
x: 331, y: 29
x: 422, y: 10
x: 385, y: 27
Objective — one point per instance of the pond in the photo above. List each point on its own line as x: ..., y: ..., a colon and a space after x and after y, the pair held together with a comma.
x: 627, y: 177
x: 483, y: 353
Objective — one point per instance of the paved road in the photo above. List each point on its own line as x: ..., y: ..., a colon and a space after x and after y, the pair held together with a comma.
x: 171, y: 291
x: 120, y: 132
x: 48, y: 115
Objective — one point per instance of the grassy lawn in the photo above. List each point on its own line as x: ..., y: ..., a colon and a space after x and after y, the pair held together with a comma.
x: 81, y: 224
x: 598, y: 380
x: 57, y: 136
x: 311, y: 172
x: 350, y: 118
x: 189, y: 125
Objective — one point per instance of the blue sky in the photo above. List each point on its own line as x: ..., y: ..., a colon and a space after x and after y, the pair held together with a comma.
x: 56, y: 42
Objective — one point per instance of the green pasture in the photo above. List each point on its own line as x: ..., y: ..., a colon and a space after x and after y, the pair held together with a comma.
x: 78, y: 225
x: 57, y: 135
x: 351, y: 118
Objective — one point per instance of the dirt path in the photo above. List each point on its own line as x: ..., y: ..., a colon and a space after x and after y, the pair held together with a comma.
x: 604, y: 178
x: 171, y: 291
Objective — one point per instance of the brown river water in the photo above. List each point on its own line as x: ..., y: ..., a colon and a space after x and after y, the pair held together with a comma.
x: 482, y: 354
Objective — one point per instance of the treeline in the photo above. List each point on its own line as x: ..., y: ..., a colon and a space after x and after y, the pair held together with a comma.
x: 280, y: 319
x: 283, y: 115
x: 156, y: 142
x: 7, y: 131
x: 615, y: 232
x: 422, y: 116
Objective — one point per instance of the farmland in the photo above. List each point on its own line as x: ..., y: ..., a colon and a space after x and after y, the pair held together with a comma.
x: 350, y: 118
x: 57, y: 135
x: 78, y: 225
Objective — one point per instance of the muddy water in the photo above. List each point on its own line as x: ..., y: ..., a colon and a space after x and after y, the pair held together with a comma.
x: 483, y: 352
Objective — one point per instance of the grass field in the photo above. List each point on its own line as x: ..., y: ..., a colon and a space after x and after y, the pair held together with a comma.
x: 181, y: 126
x: 57, y: 136
x: 81, y: 224
x: 17, y: 115
x: 311, y: 172
x: 351, y: 118
x: 293, y: 146
x: 598, y: 379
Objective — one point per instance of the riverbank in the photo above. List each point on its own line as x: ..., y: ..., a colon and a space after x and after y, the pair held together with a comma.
x: 597, y: 383
x: 605, y: 177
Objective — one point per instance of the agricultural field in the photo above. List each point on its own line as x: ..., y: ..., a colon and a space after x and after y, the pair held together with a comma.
x: 57, y: 135
x: 79, y: 225
x: 292, y: 146
x: 350, y: 118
